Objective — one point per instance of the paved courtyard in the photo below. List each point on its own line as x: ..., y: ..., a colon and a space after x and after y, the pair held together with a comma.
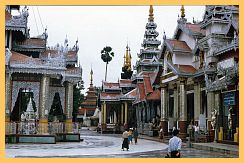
x: 102, y: 146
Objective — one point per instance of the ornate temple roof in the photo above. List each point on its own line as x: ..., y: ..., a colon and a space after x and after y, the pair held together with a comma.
x: 17, y: 23
x: 18, y: 58
x: 155, y: 95
x: 219, y: 13
x: 130, y: 95
x: 111, y: 86
x: 176, y: 45
x: 31, y: 44
x: 125, y: 83
x: 104, y: 96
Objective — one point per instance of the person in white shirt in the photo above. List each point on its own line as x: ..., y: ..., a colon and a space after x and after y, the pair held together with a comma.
x: 196, y: 132
x: 175, y: 145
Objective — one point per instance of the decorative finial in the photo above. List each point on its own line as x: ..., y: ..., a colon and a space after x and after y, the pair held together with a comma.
x: 91, y: 73
x: 182, y: 11
x: 164, y: 36
x: 151, y: 13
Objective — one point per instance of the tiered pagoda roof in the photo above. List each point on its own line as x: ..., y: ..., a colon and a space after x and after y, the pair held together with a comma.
x: 148, y: 56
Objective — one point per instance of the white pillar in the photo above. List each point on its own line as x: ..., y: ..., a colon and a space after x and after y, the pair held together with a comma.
x: 197, y: 101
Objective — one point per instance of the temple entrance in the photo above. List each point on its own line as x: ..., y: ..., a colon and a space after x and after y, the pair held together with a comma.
x: 56, y: 113
x: 190, y: 108
x: 21, y: 104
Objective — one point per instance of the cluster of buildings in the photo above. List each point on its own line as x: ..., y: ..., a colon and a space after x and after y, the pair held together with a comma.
x: 37, y: 74
x: 192, y: 77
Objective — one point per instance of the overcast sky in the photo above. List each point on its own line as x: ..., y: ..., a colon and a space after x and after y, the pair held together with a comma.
x: 100, y: 26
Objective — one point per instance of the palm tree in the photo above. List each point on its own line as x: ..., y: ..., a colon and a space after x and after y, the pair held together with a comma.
x: 106, y: 56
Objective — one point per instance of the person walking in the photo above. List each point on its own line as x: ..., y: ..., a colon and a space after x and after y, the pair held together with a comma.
x: 130, y: 136
x: 161, y: 134
x: 196, y: 132
x: 175, y: 145
x: 125, y: 143
x: 135, y: 135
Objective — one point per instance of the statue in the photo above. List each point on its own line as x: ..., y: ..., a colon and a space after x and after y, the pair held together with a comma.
x: 230, y: 119
x: 214, y: 118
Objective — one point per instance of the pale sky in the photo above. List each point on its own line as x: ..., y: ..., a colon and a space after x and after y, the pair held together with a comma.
x: 100, y: 26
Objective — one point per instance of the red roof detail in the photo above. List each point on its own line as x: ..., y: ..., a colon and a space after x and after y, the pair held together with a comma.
x: 179, y: 45
x: 186, y: 68
x: 155, y: 95
x: 147, y: 84
x: 195, y: 28
x: 72, y: 70
x: 83, y: 109
x: 89, y: 103
x: 71, y: 54
x: 8, y: 16
x: 141, y: 89
x: 127, y: 81
x: 34, y: 41
x: 110, y: 85
x: 104, y: 94
x: 21, y: 58
x: 53, y: 53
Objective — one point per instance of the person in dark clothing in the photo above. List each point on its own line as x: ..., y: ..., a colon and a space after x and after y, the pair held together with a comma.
x: 135, y: 135
x: 125, y: 143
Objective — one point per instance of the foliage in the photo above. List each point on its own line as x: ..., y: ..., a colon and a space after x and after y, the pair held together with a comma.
x: 78, y: 98
x: 106, y: 56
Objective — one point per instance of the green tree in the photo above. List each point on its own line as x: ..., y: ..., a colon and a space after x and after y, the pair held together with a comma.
x: 78, y: 98
x: 106, y: 56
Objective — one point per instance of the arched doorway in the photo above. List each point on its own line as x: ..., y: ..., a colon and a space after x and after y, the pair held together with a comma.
x: 56, y: 112
x: 21, y: 104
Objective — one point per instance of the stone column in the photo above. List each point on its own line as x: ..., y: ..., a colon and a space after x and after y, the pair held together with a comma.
x: 43, y: 112
x: 164, y: 110
x: 7, y: 97
x: 126, y: 115
x: 122, y: 114
x: 197, y: 101
x: 176, y: 104
x: 211, y: 106
x: 104, y: 115
x: 183, y: 109
x: 69, y: 107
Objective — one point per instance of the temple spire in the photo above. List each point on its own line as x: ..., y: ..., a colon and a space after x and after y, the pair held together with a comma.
x: 127, y: 58
x: 182, y: 11
x: 151, y: 18
x: 91, y: 75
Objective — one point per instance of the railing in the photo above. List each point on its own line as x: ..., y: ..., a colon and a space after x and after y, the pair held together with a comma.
x: 32, y: 128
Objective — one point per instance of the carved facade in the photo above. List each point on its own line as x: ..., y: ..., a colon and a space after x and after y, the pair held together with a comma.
x: 38, y: 71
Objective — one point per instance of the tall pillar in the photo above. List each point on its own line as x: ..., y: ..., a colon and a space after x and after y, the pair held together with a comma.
x: 164, y: 109
x: 176, y: 104
x: 45, y: 81
x: 126, y: 115
x: 7, y: 96
x: 211, y: 106
x: 183, y: 109
x: 69, y: 107
x: 122, y: 114
x: 104, y: 113
x: 197, y: 101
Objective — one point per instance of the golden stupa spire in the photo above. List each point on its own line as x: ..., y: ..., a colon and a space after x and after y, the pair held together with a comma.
x: 182, y: 11
x: 91, y: 75
x: 127, y: 58
x: 151, y: 13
